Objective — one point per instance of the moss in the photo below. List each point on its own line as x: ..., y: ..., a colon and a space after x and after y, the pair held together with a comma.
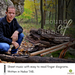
x: 67, y: 55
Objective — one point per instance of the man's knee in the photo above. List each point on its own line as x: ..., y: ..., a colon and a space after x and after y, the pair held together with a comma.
x: 4, y: 47
x: 21, y: 35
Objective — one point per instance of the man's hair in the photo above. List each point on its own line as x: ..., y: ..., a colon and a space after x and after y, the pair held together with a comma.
x: 9, y: 7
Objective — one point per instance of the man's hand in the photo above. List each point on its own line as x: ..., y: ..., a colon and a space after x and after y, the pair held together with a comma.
x: 15, y: 44
x: 15, y: 36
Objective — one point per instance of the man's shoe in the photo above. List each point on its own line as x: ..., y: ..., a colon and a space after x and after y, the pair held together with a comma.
x: 8, y: 53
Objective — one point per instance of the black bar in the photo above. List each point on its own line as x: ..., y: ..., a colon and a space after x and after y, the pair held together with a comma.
x: 4, y: 68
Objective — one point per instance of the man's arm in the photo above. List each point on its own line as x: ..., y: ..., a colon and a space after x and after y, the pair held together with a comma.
x: 7, y: 40
x: 18, y: 27
x: 14, y: 39
x: 18, y: 30
x: 2, y: 37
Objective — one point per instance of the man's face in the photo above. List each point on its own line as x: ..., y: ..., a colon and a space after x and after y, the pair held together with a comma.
x: 10, y: 14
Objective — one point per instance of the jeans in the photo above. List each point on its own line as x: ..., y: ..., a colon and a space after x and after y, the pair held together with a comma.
x: 4, y: 47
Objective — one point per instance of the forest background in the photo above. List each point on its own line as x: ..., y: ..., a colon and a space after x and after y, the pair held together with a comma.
x: 44, y: 14
x: 32, y: 14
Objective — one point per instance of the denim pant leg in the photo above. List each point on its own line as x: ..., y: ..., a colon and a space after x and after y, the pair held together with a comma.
x: 4, y: 47
x: 20, y: 38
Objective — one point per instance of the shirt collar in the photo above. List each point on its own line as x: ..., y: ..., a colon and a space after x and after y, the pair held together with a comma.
x: 5, y: 21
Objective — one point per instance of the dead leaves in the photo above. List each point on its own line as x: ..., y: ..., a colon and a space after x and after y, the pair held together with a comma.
x: 24, y: 48
x: 5, y: 61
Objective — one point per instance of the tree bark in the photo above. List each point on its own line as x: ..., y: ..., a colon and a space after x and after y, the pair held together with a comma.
x: 41, y: 8
x: 60, y: 13
x: 34, y: 59
x: 36, y: 13
x: 56, y: 13
x: 60, y: 10
x: 44, y: 11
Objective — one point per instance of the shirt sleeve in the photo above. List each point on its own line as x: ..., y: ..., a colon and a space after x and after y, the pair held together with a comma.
x: 18, y: 27
x: 2, y: 37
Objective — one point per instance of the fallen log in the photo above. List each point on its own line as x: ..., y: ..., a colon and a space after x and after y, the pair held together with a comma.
x: 31, y: 40
x: 34, y: 59
x: 62, y: 39
x: 62, y: 46
x: 54, y: 50
x: 43, y: 31
x: 47, y: 35
x: 36, y: 48
x: 34, y: 31
x: 35, y: 35
x: 45, y: 43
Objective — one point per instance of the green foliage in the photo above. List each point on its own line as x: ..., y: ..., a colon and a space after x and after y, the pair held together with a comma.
x: 29, y: 26
x: 6, y: 0
x: 26, y: 14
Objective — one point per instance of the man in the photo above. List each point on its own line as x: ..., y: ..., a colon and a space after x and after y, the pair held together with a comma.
x: 10, y: 32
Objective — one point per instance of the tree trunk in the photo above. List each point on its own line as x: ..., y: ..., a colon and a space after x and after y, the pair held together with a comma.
x: 49, y: 16
x: 60, y: 13
x: 56, y: 13
x: 36, y: 13
x: 70, y: 7
x: 44, y: 11
x: 41, y: 8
